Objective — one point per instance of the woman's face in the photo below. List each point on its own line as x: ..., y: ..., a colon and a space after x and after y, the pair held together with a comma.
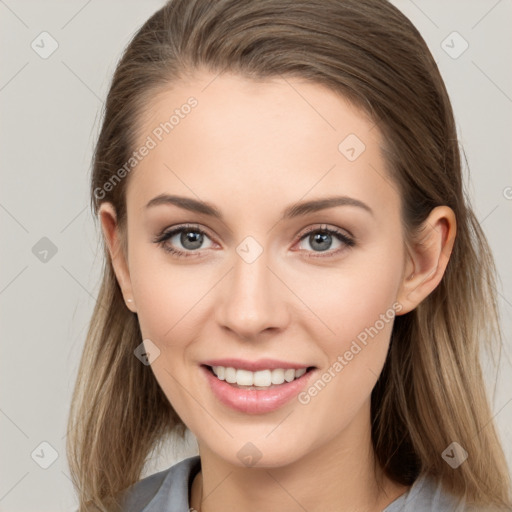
x: 255, y: 284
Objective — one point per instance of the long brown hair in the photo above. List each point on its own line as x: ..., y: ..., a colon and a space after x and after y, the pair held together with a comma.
x: 431, y: 391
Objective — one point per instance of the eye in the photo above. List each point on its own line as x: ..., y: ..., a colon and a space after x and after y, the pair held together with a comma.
x: 190, y: 237
x: 320, y: 239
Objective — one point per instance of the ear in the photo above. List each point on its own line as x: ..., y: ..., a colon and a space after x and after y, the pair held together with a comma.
x: 108, y: 218
x: 427, y: 258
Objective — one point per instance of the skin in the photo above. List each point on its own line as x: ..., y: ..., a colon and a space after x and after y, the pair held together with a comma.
x: 252, y: 149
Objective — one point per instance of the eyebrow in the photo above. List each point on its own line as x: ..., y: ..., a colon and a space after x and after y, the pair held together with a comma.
x: 292, y: 211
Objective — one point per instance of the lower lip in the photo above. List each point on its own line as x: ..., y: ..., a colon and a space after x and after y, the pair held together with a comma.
x: 254, y: 401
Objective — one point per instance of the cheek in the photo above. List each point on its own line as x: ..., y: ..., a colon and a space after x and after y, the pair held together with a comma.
x: 358, y: 306
x: 366, y: 299
x: 169, y: 304
x: 351, y: 298
x: 167, y: 292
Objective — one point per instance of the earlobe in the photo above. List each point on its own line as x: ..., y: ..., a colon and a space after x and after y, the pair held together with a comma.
x: 427, y: 257
x: 111, y: 234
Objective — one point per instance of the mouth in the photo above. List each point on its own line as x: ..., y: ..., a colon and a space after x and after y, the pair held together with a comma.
x: 258, y: 380
x: 256, y: 387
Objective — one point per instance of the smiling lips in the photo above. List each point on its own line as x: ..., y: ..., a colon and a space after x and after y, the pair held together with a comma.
x: 255, y: 387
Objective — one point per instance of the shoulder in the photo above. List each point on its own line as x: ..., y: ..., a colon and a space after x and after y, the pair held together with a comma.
x: 427, y: 495
x: 166, y: 490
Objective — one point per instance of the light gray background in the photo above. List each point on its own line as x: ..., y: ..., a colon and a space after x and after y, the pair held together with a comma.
x: 50, y: 118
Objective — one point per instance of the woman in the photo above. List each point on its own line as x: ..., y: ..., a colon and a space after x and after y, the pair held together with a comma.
x: 292, y: 271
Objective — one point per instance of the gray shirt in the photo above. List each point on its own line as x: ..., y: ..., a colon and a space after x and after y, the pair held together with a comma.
x: 168, y: 491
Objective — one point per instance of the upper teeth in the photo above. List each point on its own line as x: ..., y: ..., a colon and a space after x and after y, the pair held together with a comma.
x: 260, y: 378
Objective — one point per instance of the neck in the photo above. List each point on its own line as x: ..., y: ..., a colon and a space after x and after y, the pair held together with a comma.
x: 340, y: 475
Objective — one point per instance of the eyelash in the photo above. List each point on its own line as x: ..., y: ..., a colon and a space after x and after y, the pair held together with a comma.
x: 162, y: 238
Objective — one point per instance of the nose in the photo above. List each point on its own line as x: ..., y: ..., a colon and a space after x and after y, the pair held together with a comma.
x: 252, y: 300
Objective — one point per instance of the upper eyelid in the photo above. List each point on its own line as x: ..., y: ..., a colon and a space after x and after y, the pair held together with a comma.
x: 325, y: 227
x: 166, y: 234
x: 182, y: 227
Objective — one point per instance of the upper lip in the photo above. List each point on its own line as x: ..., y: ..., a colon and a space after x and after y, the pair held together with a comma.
x: 254, y: 366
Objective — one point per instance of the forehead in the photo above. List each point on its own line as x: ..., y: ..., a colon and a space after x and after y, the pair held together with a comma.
x: 232, y: 140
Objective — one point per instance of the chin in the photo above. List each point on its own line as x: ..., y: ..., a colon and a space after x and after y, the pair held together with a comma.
x: 261, y: 453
